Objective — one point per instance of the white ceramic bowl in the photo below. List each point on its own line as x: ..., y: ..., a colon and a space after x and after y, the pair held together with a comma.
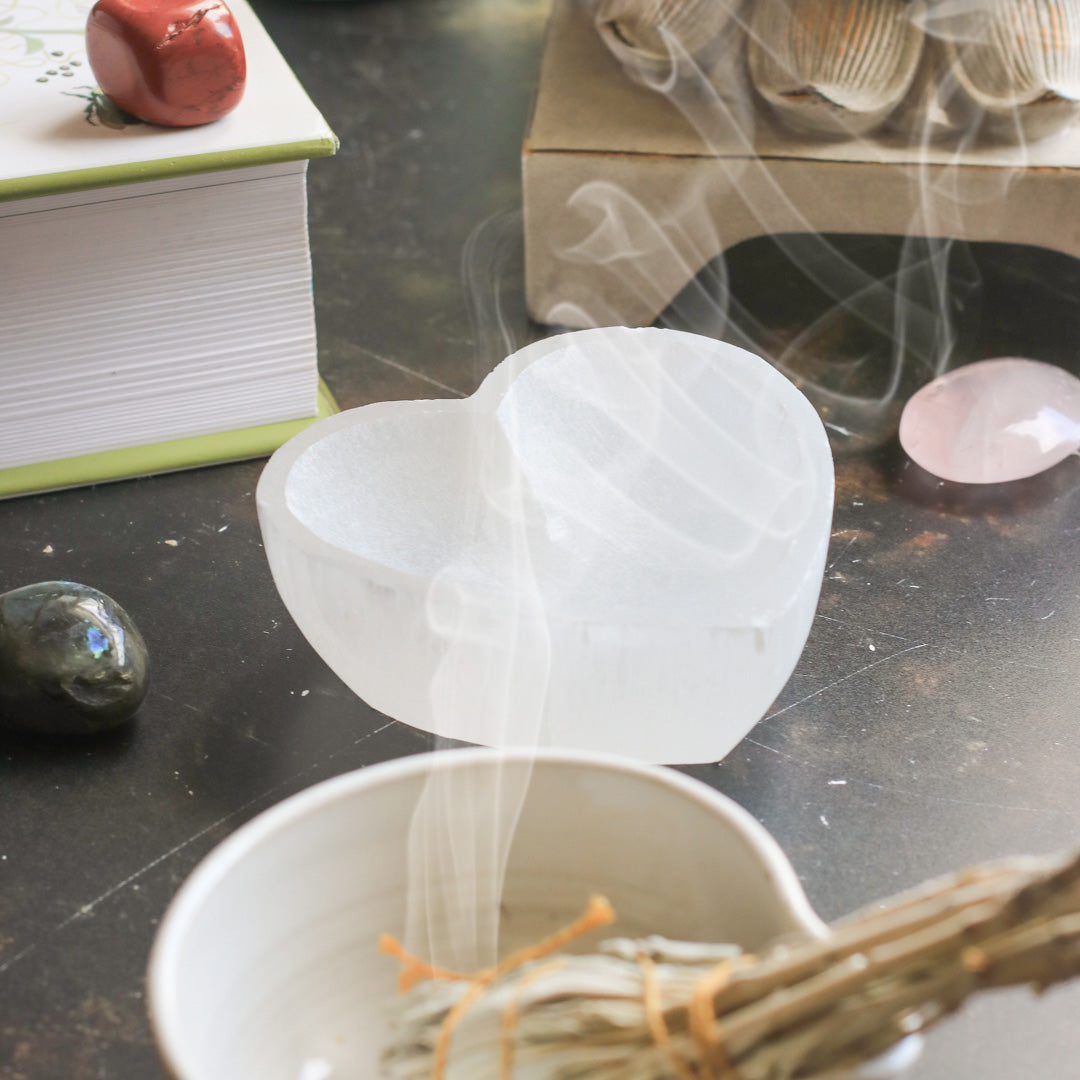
x: 615, y: 544
x: 265, y: 965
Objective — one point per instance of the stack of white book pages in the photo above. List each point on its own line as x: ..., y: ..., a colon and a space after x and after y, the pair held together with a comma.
x: 156, y: 305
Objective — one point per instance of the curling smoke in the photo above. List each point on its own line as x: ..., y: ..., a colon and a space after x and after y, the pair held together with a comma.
x: 924, y: 111
x: 929, y: 89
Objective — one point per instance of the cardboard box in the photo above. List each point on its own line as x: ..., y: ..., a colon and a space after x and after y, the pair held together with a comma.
x: 629, y: 194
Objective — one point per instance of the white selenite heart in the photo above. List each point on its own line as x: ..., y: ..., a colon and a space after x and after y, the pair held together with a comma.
x: 615, y: 544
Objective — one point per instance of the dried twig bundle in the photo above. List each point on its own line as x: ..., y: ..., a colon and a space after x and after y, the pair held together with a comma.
x: 646, y: 1010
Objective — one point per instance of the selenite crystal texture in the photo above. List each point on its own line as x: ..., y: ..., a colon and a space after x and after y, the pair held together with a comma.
x: 615, y: 544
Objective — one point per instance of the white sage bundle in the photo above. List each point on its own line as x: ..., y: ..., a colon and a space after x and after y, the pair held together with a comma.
x: 654, y: 1010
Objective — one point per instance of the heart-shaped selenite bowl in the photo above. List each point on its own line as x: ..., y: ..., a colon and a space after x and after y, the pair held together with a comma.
x: 615, y: 544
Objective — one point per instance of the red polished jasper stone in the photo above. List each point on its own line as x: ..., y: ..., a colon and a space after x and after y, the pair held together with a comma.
x: 176, y: 64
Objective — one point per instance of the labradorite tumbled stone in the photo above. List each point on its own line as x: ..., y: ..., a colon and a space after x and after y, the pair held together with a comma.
x: 71, y: 660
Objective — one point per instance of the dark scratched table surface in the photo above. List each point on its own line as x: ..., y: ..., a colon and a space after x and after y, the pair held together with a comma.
x: 932, y: 721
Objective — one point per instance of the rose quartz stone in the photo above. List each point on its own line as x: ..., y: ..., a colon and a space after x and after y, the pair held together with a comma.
x: 176, y: 64
x: 993, y: 421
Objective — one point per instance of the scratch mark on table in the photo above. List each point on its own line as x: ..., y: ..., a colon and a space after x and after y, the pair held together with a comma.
x: 846, y: 548
x: 844, y: 678
x: 214, y: 719
x: 924, y: 796
x: 867, y: 629
x: 86, y: 909
x: 16, y: 958
x: 959, y: 649
x: 409, y: 371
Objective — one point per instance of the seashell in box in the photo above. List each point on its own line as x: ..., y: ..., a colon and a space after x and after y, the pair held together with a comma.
x: 1017, y: 62
x: 647, y: 26
x: 1009, y: 68
x: 839, y: 67
x: 649, y: 37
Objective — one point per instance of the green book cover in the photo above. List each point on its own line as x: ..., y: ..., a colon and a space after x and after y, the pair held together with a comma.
x: 159, y: 457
